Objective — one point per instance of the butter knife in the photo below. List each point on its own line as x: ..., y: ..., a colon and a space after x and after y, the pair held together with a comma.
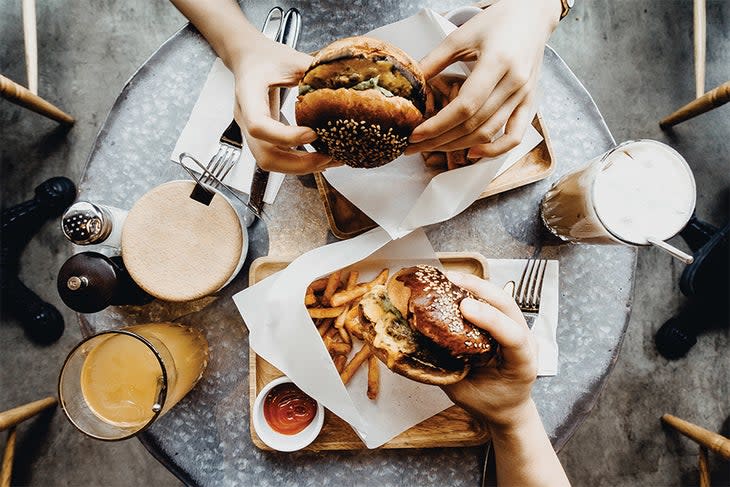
x: 288, y: 34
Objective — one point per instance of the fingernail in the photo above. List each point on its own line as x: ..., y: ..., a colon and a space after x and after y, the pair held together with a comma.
x: 455, y: 276
x: 415, y: 138
x: 469, y: 306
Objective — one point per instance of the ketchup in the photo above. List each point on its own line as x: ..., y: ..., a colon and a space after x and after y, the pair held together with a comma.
x: 288, y: 410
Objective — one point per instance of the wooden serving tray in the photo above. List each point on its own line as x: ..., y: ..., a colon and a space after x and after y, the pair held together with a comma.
x: 347, y: 220
x: 451, y: 427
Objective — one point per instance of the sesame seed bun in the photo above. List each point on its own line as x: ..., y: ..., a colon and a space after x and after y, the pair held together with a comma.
x: 426, y: 338
x: 363, y: 98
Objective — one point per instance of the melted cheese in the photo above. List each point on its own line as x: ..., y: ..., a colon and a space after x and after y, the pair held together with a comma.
x: 346, y: 73
x: 391, y: 332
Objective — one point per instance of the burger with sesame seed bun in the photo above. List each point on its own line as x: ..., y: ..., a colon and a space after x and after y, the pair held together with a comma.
x: 363, y: 97
x: 414, y: 326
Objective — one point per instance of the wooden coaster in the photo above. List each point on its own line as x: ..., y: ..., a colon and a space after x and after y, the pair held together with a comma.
x: 178, y: 249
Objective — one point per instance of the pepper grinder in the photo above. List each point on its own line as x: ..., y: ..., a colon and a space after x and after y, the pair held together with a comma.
x: 86, y: 223
x: 89, y: 282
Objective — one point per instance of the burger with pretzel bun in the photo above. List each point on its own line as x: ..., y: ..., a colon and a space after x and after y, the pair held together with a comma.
x: 414, y: 326
x: 363, y: 97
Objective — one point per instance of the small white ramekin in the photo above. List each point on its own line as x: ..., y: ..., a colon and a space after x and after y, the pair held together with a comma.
x: 279, y: 441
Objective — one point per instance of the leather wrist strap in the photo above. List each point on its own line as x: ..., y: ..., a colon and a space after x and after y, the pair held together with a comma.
x: 566, y: 6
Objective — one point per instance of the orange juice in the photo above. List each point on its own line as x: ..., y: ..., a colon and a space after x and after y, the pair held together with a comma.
x: 121, y: 376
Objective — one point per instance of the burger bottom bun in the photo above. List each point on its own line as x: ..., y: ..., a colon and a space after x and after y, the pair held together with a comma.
x: 404, y: 365
x: 361, y: 128
x: 318, y: 107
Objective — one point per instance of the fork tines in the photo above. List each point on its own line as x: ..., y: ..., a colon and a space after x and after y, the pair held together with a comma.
x: 529, y: 289
x: 220, y: 165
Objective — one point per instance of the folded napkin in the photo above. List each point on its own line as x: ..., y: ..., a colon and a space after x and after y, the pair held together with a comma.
x: 501, y: 271
x: 210, y: 116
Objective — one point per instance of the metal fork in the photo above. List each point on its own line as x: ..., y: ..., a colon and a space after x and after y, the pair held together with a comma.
x: 529, y: 289
x: 225, y: 159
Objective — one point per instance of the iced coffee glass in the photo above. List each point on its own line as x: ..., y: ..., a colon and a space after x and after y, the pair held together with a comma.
x: 117, y: 383
x: 641, y: 192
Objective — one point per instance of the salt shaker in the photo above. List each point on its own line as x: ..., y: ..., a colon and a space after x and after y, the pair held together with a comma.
x: 86, y: 223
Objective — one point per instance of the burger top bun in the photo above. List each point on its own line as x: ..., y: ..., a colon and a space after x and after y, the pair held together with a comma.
x: 363, y: 98
x: 367, y: 47
x: 432, y: 301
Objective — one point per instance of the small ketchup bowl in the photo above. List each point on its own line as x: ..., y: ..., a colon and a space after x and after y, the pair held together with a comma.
x: 275, y: 439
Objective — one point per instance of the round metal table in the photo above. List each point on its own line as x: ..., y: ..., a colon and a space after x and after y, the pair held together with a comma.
x: 205, y: 439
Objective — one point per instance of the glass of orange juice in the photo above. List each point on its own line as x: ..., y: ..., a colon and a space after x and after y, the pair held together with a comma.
x: 117, y: 383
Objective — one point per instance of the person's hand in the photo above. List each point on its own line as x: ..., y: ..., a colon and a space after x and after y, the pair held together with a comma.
x: 499, y: 392
x: 258, y: 72
x: 507, y: 41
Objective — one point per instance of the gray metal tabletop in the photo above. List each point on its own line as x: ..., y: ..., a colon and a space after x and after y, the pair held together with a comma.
x: 205, y: 439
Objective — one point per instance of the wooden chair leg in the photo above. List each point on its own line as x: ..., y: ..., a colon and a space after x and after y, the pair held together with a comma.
x: 11, y: 417
x: 704, y: 467
x: 700, y: 41
x: 30, y: 37
x: 25, y: 98
x: 6, y: 474
x: 712, y: 99
x: 712, y: 441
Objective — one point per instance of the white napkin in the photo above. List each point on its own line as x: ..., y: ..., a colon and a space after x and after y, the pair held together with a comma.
x: 287, y: 338
x: 212, y: 113
x: 404, y: 195
x: 545, y: 327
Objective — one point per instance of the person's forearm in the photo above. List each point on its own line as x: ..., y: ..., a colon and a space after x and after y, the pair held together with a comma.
x: 223, y: 25
x: 523, y: 452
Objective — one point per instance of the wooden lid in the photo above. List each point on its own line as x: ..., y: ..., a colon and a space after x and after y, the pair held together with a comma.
x: 178, y: 249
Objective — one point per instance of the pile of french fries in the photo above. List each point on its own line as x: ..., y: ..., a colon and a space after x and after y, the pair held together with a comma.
x: 332, y: 302
x: 442, y: 93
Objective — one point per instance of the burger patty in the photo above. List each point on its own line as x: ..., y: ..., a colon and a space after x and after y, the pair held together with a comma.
x: 362, y: 72
x: 392, y: 332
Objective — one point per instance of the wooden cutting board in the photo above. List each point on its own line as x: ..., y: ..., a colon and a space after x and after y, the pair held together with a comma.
x: 452, y: 427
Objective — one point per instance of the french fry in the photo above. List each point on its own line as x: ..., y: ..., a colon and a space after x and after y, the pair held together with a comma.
x: 325, y: 312
x: 456, y: 159
x: 435, y: 160
x: 340, y: 361
x: 337, y: 348
x: 353, y: 324
x: 352, y: 279
x: 381, y: 277
x: 373, y: 377
x: 453, y: 91
x: 309, y: 298
x: 318, y: 285
x: 430, y: 103
x: 441, y: 85
x: 344, y: 297
x: 355, y: 363
x: 347, y: 295
x: 340, y: 325
x: 333, y: 282
x: 324, y: 326
x: 331, y: 333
